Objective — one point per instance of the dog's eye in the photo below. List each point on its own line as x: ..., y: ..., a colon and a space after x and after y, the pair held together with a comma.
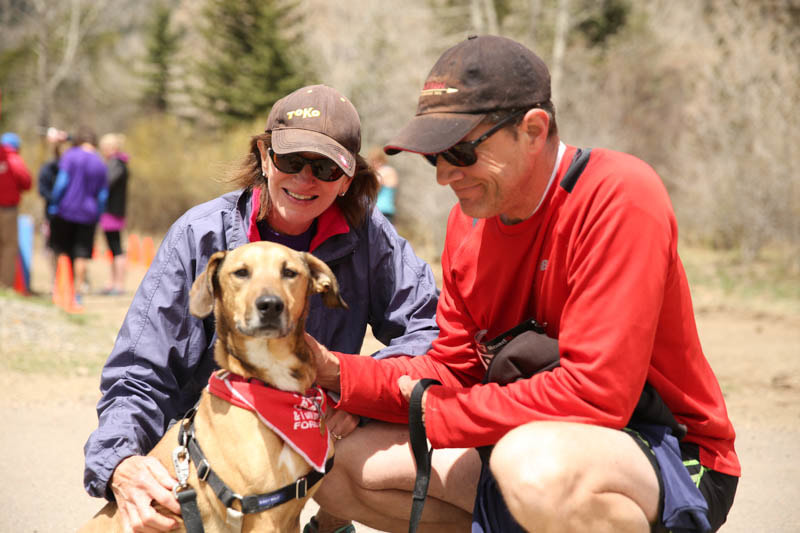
x: 242, y: 273
x: 289, y: 273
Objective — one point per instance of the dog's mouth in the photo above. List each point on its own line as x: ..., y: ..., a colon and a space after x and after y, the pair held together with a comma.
x: 271, y: 329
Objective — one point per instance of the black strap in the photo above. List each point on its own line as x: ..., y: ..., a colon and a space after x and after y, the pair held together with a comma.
x: 576, y: 166
x: 419, y: 447
x: 190, y: 512
x: 251, y: 504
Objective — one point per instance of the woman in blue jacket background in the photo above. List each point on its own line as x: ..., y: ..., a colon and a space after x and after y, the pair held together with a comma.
x: 303, y: 184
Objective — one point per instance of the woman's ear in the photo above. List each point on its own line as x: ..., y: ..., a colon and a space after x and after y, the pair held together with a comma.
x: 346, y: 181
x: 263, y: 150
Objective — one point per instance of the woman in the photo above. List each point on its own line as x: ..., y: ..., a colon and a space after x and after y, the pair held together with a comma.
x: 303, y: 185
x: 112, y: 221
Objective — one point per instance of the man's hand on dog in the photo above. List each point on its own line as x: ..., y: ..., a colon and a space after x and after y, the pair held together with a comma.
x: 327, y: 365
x: 137, y: 482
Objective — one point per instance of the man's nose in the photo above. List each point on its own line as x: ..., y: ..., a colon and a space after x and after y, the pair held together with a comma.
x: 446, y: 173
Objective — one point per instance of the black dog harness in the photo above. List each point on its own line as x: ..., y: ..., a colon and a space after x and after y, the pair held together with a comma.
x: 189, y: 448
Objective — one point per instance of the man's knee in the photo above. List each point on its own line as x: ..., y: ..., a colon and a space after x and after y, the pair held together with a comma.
x: 532, y: 469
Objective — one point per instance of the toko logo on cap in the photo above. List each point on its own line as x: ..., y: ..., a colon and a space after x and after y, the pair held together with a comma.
x: 306, y: 112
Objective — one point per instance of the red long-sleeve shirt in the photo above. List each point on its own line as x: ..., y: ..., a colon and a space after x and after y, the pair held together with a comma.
x: 14, y: 177
x: 599, y: 265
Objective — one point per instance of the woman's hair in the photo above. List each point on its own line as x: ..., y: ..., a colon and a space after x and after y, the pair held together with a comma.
x: 356, y: 204
x: 85, y: 134
x: 111, y: 142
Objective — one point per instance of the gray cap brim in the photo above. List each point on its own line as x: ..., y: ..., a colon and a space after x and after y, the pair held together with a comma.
x: 288, y: 140
x: 432, y: 133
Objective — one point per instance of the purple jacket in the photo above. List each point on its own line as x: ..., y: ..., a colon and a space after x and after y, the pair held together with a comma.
x: 81, y: 200
x: 163, y: 356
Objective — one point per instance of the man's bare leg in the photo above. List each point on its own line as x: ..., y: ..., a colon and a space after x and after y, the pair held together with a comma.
x: 373, y: 478
x: 563, y: 477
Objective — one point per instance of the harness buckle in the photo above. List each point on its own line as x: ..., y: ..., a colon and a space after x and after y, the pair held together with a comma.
x: 300, y: 487
x: 203, y: 469
x: 180, y: 460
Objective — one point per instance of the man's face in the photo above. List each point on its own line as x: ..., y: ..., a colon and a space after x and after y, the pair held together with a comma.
x: 498, y: 182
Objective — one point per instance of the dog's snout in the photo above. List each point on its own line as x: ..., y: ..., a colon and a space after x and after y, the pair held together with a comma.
x: 269, y: 306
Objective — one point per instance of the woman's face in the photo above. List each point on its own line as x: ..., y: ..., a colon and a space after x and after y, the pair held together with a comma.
x: 297, y: 199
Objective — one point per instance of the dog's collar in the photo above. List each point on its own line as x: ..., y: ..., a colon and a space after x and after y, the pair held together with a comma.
x: 298, y: 419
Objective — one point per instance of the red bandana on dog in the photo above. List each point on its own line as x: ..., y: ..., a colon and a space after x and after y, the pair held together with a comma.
x: 294, y: 417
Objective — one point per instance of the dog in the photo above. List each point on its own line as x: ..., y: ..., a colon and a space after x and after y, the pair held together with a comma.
x: 260, y: 294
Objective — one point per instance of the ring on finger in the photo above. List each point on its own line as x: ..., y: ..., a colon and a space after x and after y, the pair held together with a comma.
x: 336, y: 436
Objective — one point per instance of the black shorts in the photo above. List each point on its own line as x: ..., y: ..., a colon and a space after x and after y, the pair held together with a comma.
x: 717, y: 488
x: 72, y: 238
x: 491, y: 515
x: 114, y: 243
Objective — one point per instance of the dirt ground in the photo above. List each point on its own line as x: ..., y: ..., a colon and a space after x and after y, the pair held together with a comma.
x: 49, y: 364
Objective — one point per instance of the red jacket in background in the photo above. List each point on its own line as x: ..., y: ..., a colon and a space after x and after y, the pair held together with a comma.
x: 14, y: 177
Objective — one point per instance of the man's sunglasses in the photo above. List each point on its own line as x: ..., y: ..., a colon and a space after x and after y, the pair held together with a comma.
x: 463, y: 154
x: 322, y: 169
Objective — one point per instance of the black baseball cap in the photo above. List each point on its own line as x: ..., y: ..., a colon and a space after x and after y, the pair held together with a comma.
x: 317, y: 119
x: 470, y: 80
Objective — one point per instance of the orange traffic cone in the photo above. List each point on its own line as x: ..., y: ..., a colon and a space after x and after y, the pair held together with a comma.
x: 19, y: 278
x: 134, y: 248
x: 64, y: 290
x: 148, y: 251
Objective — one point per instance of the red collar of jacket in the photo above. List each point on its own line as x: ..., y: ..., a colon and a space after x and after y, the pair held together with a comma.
x: 331, y: 222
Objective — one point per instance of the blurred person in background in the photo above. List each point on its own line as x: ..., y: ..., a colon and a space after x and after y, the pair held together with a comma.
x: 48, y: 173
x: 112, y: 221
x: 79, y: 196
x: 303, y: 184
x: 388, y: 177
x: 15, y: 178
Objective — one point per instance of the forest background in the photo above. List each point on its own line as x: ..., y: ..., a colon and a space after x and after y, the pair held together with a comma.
x: 706, y: 91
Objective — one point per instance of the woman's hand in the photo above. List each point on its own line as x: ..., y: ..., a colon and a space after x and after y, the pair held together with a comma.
x: 327, y: 365
x: 340, y: 423
x: 136, y: 483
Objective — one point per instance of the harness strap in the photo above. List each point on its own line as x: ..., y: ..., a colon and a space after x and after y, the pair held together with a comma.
x: 190, y: 512
x: 253, y: 503
x: 419, y: 446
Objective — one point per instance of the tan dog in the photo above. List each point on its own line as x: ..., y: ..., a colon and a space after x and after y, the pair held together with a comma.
x: 259, y: 293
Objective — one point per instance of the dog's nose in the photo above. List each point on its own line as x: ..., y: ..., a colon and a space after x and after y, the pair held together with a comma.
x: 269, y: 306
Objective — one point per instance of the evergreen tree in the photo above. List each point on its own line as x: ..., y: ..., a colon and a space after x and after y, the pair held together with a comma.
x: 249, y: 61
x: 162, y: 44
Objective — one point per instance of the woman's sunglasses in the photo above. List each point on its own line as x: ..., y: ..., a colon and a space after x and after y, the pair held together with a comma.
x: 322, y: 169
x: 463, y: 154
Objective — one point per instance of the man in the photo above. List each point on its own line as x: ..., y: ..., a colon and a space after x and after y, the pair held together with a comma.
x: 79, y: 197
x: 592, y: 256
x: 15, y: 178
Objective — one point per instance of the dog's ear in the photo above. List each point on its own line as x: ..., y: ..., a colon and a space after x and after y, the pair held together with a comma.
x: 201, y: 297
x: 323, y: 281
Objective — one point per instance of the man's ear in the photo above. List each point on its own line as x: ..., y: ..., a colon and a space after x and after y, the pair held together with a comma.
x: 536, y: 125
x: 323, y: 281
x: 201, y: 296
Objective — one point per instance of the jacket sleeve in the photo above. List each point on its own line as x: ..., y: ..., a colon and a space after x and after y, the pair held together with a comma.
x: 20, y: 171
x: 116, y: 170
x: 158, y: 366
x: 402, y: 309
